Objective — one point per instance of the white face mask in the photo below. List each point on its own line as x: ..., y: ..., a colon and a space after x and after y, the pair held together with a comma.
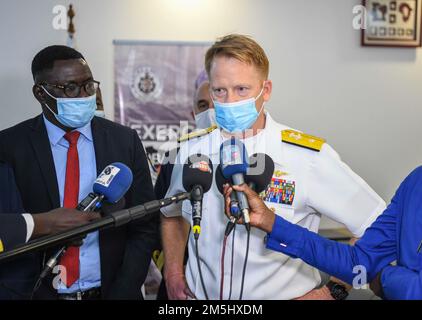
x: 205, y: 119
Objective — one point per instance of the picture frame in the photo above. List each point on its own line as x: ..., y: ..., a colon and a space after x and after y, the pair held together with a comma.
x: 392, y: 23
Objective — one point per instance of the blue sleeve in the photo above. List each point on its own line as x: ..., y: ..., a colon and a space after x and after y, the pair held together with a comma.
x: 400, y: 283
x: 375, y: 250
x: 12, y: 230
x: 10, y: 199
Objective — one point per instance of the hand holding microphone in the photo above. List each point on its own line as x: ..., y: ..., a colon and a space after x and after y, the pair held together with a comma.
x: 258, y: 176
x: 234, y: 166
x: 107, y: 195
x: 59, y: 220
x: 111, y: 185
x: 260, y: 216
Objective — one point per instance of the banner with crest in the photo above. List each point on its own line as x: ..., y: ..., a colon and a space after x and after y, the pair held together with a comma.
x: 154, y: 84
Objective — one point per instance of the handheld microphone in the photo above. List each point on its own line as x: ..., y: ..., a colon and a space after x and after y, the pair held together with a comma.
x: 260, y: 172
x: 197, y: 179
x: 220, y: 180
x: 111, y: 185
x: 113, y: 182
x: 234, y: 166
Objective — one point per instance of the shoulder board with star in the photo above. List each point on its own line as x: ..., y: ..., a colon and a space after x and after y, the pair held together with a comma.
x: 196, y: 134
x: 302, y: 140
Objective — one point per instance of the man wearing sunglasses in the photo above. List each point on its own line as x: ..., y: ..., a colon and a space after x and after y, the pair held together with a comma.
x: 56, y: 157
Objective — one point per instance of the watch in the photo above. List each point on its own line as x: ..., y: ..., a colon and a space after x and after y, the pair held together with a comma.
x: 337, y: 291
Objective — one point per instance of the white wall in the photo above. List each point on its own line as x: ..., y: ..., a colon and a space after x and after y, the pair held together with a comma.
x: 364, y: 101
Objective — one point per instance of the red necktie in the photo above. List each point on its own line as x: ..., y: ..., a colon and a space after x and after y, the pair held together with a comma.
x: 70, y: 260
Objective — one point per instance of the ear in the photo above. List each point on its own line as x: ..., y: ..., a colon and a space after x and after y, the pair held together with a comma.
x: 268, y: 88
x: 39, y: 93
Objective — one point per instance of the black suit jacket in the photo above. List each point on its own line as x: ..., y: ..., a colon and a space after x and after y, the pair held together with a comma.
x: 12, y: 225
x: 12, y: 231
x: 10, y: 200
x: 125, y: 252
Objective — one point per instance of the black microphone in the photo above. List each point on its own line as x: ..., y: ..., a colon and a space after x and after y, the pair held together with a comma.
x: 260, y: 172
x: 197, y: 179
x: 108, y: 208
x: 220, y: 181
x: 258, y: 177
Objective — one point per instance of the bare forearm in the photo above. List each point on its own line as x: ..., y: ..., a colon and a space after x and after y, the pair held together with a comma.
x: 175, y: 233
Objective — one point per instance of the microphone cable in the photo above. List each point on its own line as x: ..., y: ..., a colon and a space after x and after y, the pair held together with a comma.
x: 223, y: 252
x: 48, y: 267
x: 231, y: 225
x: 35, y: 288
x: 232, y: 263
x: 245, y: 263
x: 199, y: 268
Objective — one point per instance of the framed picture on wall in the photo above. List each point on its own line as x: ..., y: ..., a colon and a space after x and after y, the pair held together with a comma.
x: 392, y: 23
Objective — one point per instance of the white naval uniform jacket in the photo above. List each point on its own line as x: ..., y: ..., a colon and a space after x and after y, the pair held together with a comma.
x: 323, y: 185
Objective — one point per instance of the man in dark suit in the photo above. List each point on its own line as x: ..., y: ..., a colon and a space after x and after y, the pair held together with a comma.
x: 56, y: 157
x: 17, y: 227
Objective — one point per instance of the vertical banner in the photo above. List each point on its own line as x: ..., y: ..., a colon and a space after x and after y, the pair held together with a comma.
x: 154, y: 90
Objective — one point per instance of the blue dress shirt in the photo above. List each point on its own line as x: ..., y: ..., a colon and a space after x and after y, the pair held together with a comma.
x: 89, y: 253
x: 396, y: 235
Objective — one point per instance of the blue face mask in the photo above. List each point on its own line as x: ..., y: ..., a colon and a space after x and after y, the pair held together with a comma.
x: 237, y: 116
x: 74, y: 112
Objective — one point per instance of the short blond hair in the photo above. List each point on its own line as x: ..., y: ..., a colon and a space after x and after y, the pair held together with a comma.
x: 240, y: 47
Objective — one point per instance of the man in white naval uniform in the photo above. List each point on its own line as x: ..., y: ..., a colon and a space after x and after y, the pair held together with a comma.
x: 309, y: 180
